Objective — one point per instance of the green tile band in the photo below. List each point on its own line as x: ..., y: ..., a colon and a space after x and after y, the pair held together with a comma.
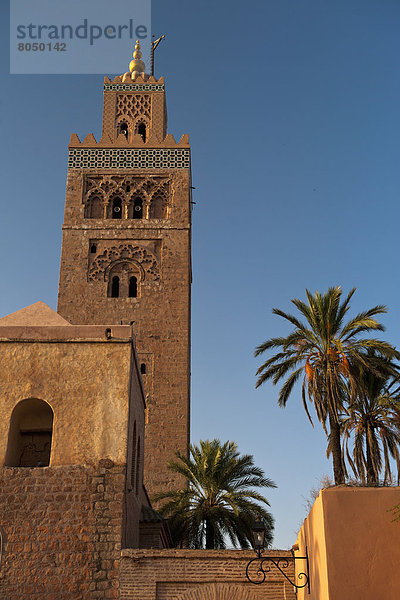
x: 138, y: 87
x: 129, y: 158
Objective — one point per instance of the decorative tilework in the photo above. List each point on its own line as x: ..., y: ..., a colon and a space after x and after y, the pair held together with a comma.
x: 138, y: 87
x: 130, y: 158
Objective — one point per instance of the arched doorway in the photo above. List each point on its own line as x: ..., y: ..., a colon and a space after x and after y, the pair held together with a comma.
x: 30, y: 434
x: 220, y: 591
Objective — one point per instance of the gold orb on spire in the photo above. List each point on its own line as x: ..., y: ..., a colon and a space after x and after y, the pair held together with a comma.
x: 137, y: 66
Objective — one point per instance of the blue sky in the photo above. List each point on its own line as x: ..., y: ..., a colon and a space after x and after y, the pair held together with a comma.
x: 292, y: 111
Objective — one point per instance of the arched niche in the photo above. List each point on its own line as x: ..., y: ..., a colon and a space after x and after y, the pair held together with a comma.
x: 30, y: 434
x: 158, y: 206
x: 94, y: 208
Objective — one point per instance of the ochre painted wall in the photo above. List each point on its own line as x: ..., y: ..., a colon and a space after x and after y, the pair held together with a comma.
x: 87, y: 386
x: 353, y: 544
x: 312, y: 536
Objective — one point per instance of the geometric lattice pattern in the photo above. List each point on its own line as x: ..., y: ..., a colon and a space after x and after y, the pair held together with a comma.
x: 129, y: 158
x: 135, y: 87
x: 133, y: 105
x: 126, y: 252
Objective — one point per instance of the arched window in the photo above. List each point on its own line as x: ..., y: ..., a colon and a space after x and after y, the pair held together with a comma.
x: 137, y: 208
x: 142, y: 131
x: 93, y: 248
x: 132, y: 287
x: 123, y: 278
x: 114, y: 287
x: 143, y: 368
x: 138, y: 467
x: 158, y: 204
x: 30, y: 434
x: 94, y: 208
x: 116, y: 208
x: 133, y: 458
x: 123, y: 128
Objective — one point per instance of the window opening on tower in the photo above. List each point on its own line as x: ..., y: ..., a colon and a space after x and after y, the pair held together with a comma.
x: 115, y: 287
x: 123, y: 128
x: 138, y: 208
x: 132, y: 287
x: 142, y: 131
x: 116, y: 208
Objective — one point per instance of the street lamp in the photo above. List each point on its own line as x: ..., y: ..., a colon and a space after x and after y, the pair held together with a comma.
x: 261, y: 567
x: 258, y: 530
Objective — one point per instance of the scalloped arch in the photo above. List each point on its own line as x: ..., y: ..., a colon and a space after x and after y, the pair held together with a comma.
x: 145, y: 259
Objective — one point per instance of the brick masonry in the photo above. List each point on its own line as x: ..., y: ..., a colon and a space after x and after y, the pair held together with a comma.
x: 198, y: 575
x: 62, y: 529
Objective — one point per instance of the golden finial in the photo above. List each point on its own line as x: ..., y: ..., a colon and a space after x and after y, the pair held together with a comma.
x: 136, y: 66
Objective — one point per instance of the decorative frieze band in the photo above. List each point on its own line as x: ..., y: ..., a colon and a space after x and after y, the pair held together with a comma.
x: 129, y: 158
x: 137, y: 87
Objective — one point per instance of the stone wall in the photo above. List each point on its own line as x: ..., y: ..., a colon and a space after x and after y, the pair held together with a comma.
x: 62, y: 529
x: 197, y: 575
x: 86, y: 383
x: 153, y: 250
x: 160, y: 250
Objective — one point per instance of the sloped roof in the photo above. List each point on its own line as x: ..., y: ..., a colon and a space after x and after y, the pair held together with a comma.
x: 149, y: 515
x: 34, y: 315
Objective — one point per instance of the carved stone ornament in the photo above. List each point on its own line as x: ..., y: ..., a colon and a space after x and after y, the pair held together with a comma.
x: 125, y: 252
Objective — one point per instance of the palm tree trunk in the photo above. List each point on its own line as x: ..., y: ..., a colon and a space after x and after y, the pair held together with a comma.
x: 336, y: 451
x: 209, y: 535
x: 371, y: 475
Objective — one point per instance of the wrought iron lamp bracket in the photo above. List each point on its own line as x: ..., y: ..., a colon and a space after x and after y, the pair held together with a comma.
x: 280, y: 562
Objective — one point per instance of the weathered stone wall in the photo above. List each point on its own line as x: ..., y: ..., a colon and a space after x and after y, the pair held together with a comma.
x: 86, y: 383
x: 198, y: 575
x: 63, y: 532
x: 154, y: 249
x: 160, y: 314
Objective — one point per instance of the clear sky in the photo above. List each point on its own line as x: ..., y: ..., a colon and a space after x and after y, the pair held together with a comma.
x: 292, y: 110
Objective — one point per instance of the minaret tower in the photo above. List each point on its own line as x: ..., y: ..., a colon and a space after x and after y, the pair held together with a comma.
x: 126, y: 250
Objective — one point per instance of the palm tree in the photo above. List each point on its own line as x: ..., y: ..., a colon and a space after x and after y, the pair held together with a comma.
x: 219, y: 500
x: 374, y: 418
x: 325, y: 353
